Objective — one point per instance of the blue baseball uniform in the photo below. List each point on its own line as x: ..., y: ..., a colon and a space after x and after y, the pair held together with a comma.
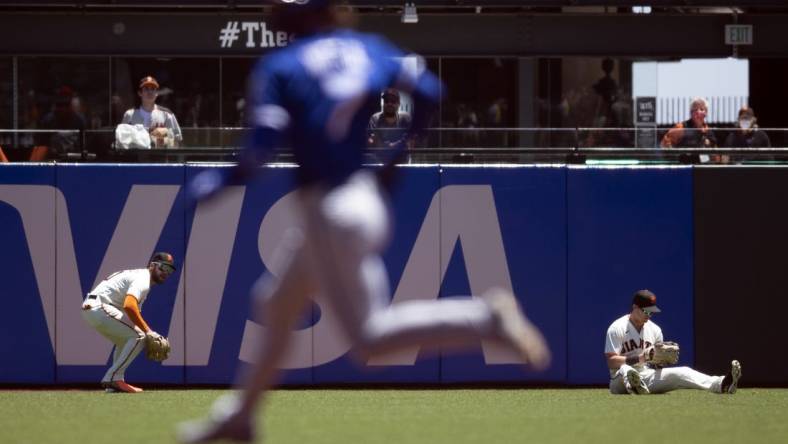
x: 317, y: 95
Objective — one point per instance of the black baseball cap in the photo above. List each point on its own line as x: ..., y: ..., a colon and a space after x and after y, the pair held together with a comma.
x: 163, y: 257
x: 301, y: 16
x: 305, y: 3
x: 294, y: 8
x: 647, y: 301
x: 390, y: 93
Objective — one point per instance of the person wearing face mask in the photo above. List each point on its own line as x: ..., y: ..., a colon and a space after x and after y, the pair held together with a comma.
x: 694, y: 132
x: 113, y: 310
x: 748, y: 135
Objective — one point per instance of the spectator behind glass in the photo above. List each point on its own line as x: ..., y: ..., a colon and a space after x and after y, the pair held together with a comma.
x: 62, y: 116
x: 748, y: 135
x: 160, y: 121
x: 467, y: 118
x: 389, y: 126
x: 497, y: 117
x: 692, y: 133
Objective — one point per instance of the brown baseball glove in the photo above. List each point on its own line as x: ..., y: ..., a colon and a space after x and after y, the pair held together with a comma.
x: 662, y: 354
x: 157, y: 347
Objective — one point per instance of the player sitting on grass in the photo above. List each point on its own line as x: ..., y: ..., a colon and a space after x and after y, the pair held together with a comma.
x: 637, y: 356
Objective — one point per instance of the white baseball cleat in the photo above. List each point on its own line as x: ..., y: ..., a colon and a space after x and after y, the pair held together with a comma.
x: 514, y: 328
x: 635, y: 384
x: 731, y: 381
x: 223, y: 424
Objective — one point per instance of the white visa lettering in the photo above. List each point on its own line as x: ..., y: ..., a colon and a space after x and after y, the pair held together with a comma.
x: 457, y: 213
x: 47, y: 226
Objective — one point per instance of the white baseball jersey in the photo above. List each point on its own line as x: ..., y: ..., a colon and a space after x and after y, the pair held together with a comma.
x: 115, y: 287
x: 160, y: 117
x: 624, y: 339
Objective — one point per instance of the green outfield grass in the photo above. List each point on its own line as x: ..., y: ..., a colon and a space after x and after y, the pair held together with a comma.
x: 450, y: 416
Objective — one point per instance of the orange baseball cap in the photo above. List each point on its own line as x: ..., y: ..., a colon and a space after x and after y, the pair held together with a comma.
x: 149, y: 81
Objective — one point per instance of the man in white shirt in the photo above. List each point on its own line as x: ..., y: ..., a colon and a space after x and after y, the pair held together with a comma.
x: 153, y: 116
x: 631, y: 335
x: 113, y: 309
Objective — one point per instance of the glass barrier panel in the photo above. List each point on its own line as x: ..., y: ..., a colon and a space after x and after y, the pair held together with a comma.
x: 616, y: 138
x: 41, y: 145
x: 437, y: 145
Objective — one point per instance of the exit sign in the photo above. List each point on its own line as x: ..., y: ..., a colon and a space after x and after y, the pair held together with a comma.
x: 738, y: 34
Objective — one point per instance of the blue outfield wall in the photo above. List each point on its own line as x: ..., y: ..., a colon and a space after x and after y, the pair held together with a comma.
x: 572, y: 242
x: 530, y: 205
x: 630, y: 228
x: 28, y: 355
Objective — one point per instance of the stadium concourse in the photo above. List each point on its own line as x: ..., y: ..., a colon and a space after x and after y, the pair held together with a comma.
x: 600, y: 91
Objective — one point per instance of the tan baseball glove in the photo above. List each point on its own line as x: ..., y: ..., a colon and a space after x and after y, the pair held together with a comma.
x: 662, y: 354
x: 162, y: 137
x: 157, y: 347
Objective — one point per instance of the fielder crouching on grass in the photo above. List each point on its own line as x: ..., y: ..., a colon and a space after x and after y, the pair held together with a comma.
x: 113, y: 309
x: 637, y: 356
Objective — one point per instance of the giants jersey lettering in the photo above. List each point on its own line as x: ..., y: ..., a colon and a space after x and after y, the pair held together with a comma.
x: 624, y: 339
x: 115, y: 287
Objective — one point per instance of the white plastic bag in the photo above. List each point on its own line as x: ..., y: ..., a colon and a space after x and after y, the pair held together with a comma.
x: 132, y: 137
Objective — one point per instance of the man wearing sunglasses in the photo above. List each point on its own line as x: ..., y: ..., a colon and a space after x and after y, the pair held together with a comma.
x: 113, y: 309
x: 631, y: 336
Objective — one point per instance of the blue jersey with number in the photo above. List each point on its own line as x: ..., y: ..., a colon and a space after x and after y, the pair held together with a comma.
x: 316, y: 96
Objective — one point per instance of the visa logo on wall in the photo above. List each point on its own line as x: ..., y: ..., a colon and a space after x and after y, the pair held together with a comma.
x: 128, y: 212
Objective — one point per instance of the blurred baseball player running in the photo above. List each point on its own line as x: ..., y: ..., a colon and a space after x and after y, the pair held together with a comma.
x: 627, y: 339
x: 319, y: 93
x: 113, y: 309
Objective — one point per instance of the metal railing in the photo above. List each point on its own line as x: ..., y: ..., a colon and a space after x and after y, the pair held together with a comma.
x: 437, y: 145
